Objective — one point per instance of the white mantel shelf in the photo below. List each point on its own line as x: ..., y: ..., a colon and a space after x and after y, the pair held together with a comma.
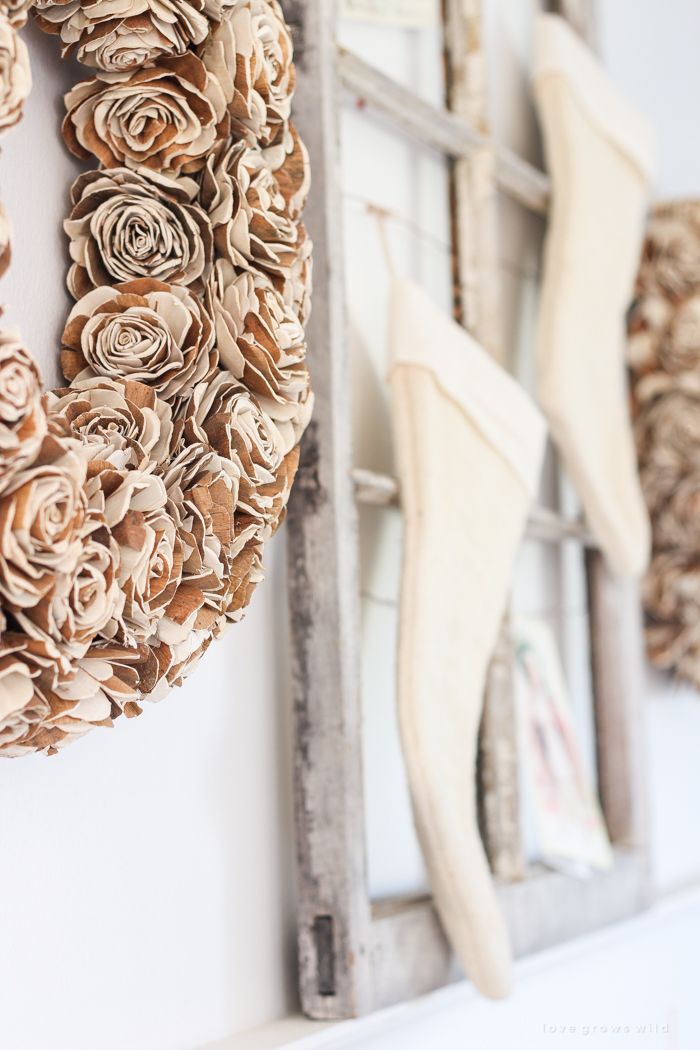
x: 450, y: 1011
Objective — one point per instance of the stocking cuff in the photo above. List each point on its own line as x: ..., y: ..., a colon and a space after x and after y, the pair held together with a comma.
x: 560, y: 52
x: 424, y: 336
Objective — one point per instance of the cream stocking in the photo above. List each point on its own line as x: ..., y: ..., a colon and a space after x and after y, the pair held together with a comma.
x: 599, y: 156
x: 469, y: 444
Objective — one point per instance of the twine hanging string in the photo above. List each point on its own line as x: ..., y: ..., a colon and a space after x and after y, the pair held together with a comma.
x: 510, y: 266
x: 381, y: 215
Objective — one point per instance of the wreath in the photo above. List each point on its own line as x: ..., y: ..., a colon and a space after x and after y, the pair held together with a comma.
x: 664, y: 361
x: 135, y: 502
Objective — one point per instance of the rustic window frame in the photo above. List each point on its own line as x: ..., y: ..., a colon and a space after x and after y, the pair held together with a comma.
x: 355, y: 955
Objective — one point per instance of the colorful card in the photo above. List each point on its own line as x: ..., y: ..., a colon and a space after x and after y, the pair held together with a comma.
x: 570, y: 827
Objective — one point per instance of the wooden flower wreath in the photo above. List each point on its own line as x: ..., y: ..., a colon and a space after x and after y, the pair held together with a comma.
x: 135, y: 503
x: 664, y: 360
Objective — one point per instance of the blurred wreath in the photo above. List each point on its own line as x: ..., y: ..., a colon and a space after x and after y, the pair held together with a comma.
x: 664, y: 359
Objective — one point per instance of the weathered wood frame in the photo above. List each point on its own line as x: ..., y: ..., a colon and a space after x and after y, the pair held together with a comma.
x: 354, y: 955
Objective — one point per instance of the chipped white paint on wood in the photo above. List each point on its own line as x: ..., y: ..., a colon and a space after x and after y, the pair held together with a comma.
x: 334, y: 912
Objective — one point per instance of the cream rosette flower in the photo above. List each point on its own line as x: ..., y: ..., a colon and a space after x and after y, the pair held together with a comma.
x: 151, y: 579
x: 297, y: 285
x: 250, y: 53
x: 81, y: 604
x: 22, y: 417
x: 22, y: 705
x: 119, y: 35
x: 5, y: 240
x: 261, y: 341
x: 253, y: 223
x: 288, y: 160
x: 92, y: 693
x: 43, y: 521
x: 126, y: 225
x: 672, y: 249
x: 120, y: 423
x: 202, y: 492
x: 166, y: 117
x: 647, y: 324
x: 679, y: 349
x: 668, y: 431
x: 17, y: 11
x: 677, y: 524
x: 176, y: 661
x: 15, y: 74
x: 132, y: 504
x: 146, y: 331
x: 61, y: 707
x: 225, y: 415
x: 247, y: 571
x: 657, y: 485
x: 671, y: 593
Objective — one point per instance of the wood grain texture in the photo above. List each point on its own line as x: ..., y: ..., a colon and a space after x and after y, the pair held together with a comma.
x: 411, y: 955
x: 542, y: 909
x: 547, y: 907
x: 473, y: 181
x: 333, y: 906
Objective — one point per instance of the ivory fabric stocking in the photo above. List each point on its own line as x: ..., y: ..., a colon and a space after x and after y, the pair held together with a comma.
x: 469, y: 446
x: 599, y: 155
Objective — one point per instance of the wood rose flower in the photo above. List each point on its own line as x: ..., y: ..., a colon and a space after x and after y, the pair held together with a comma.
x: 261, y: 341
x: 117, y: 421
x: 22, y: 417
x: 226, y: 416
x: 17, y: 11
x: 250, y: 53
x: 147, y: 331
x: 118, y: 35
x: 253, y: 219
x: 126, y: 224
x: 668, y: 431
x: 671, y: 260
x: 664, y: 363
x: 166, y: 117
x: 23, y: 706
x: 15, y: 74
x: 43, y: 514
x: 5, y: 240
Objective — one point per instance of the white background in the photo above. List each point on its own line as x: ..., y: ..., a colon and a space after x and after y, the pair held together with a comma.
x: 146, y: 873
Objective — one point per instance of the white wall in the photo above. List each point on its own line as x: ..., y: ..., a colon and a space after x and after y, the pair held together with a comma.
x: 146, y: 872
x: 650, y: 49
